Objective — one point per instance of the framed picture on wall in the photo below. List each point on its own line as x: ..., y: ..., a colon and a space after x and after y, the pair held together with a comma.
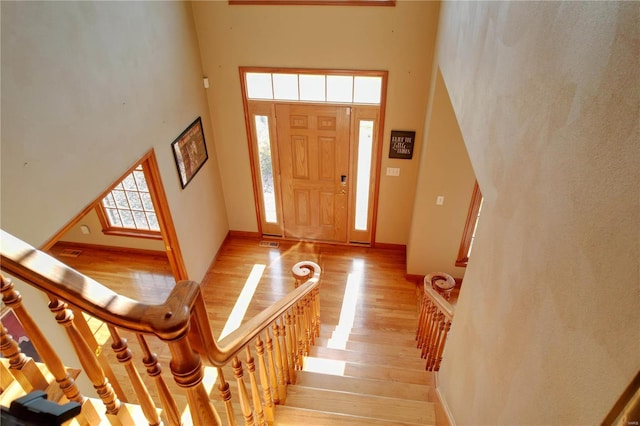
x: 401, y: 145
x: 190, y: 152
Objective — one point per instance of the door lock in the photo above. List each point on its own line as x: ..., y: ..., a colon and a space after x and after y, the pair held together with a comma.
x: 343, y: 180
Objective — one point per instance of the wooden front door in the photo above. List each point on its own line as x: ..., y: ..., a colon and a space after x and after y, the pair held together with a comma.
x: 313, y: 150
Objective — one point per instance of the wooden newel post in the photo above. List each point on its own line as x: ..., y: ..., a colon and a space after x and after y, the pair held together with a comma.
x: 188, y: 373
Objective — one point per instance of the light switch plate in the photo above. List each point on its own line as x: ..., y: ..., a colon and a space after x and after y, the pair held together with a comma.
x: 393, y: 171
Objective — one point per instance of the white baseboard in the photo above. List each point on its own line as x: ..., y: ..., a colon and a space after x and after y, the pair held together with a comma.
x: 443, y: 402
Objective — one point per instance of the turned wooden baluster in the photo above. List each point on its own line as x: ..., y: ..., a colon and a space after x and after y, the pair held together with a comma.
x: 303, y: 350
x: 23, y: 368
x: 433, y: 346
x: 284, y: 350
x: 429, y: 330
x: 13, y: 299
x: 421, y: 319
x: 311, y: 335
x: 87, y: 357
x: 443, y: 342
x: 313, y: 321
x: 304, y: 327
x: 245, y: 404
x: 225, y: 393
x: 188, y: 373
x: 264, y: 381
x: 293, y: 337
x: 255, y: 393
x: 273, y: 375
x: 154, y: 371
x: 292, y: 348
x: 429, y: 308
x: 123, y: 354
x: 316, y: 311
x: 299, y: 320
x: 277, y: 354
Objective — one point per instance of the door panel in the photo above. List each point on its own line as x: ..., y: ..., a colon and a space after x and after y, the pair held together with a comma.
x: 313, y: 143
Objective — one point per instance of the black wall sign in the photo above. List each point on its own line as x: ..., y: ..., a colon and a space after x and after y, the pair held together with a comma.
x: 402, y: 144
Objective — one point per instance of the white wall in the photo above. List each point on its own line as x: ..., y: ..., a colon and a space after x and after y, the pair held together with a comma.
x: 88, y: 89
x: 548, y: 98
x: 399, y: 39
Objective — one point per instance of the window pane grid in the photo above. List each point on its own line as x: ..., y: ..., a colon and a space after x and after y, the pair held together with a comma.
x: 129, y: 204
x: 314, y: 87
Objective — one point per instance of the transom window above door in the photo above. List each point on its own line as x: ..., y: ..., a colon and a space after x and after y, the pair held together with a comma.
x: 330, y: 88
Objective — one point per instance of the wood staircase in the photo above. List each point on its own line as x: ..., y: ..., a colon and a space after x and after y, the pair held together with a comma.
x: 364, y: 377
x: 280, y: 367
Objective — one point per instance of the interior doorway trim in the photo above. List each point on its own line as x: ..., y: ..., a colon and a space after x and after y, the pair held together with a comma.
x: 159, y: 199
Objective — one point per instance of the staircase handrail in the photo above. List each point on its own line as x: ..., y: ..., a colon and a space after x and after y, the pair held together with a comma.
x: 443, y: 305
x: 167, y: 320
x: 219, y: 353
x: 434, y: 323
x: 181, y: 321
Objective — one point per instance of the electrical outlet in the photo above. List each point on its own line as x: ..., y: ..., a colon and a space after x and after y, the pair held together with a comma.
x: 393, y: 171
x: 440, y: 200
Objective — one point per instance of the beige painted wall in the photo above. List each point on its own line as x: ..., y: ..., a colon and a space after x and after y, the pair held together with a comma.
x: 97, y: 237
x: 87, y: 89
x: 548, y: 98
x: 398, y: 39
x: 445, y: 170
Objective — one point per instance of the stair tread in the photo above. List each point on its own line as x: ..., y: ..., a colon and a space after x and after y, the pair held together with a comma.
x: 405, y: 339
x: 363, y: 385
x: 327, y: 329
x: 294, y: 416
x: 370, y: 406
x: 379, y: 347
x: 403, y: 361
x: 371, y: 371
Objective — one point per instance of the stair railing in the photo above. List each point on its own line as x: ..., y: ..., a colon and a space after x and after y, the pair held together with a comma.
x: 434, y: 323
x: 181, y: 322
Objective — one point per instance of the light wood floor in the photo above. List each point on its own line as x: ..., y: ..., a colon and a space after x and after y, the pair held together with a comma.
x: 384, y: 298
x: 379, y: 295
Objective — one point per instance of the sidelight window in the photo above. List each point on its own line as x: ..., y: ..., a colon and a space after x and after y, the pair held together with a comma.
x: 266, y: 168
x: 363, y: 174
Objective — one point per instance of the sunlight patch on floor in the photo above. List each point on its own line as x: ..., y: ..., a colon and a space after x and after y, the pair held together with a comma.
x: 349, y: 303
x: 242, y: 303
x: 323, y: 365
